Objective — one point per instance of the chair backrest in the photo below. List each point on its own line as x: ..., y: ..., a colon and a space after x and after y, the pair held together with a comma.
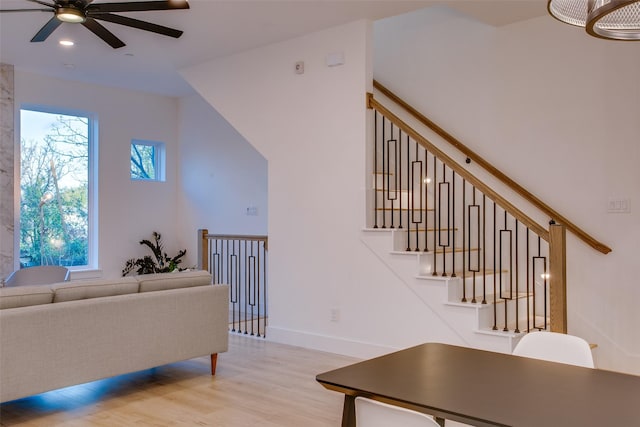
x: 555, y: 347
x: 370, y: 413
x: 40, y: 275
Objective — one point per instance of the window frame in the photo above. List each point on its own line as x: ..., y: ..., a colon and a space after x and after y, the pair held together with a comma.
x: 159, y: 163
x: 92, y: 179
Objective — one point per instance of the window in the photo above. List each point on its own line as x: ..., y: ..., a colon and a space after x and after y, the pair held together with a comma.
x: 147, y: 160
x: 56, y: 189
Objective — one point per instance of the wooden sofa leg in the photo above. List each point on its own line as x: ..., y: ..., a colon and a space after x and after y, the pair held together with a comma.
x: 214, y: 362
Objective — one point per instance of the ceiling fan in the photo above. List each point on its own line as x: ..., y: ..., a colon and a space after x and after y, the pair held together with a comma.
x: 87, y: 13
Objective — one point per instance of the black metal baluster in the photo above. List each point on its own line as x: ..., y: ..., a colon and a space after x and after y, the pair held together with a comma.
x: 259, y: 282
x: 483, y: 249
x: 246, y: 284
x: 435, y: 219
x: 264, y: 276
x: 545, y: 293
x: 475, y: 269
x: 375, y: 169
x: 232, y: 285
x: 427, y: 181
x: 443, y: 209
x: 453, y: 226
x: 544, y: 276
x: 517, y: 330
x: 506, y: 232
x: 392, y: 147
x: 399, y: 178
x: 253, y: 280
x: 528, y: 284
x: 495, y: 279
x: 409, y: 195
x: 416, y: 189
x: 384, y: 197
x: 464, y: 240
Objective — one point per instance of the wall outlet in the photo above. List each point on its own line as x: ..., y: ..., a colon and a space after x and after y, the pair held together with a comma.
x: 252, y: 211
x: 299, y: 67
x: 619, y: 206
x: 335, y: 315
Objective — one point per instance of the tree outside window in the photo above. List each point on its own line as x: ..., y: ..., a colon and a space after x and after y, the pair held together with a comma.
x: 54, y: 187
x: 147, y: 160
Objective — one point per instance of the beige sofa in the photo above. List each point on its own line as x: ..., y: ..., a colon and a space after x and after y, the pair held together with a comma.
x: 53, y: 336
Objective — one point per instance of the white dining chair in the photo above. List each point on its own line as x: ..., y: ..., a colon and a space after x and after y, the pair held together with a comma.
x: 39, y: 275
x: 371, y: 413
x: 555, y: 347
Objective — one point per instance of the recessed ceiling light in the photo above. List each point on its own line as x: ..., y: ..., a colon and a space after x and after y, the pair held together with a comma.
x: 66, y: 42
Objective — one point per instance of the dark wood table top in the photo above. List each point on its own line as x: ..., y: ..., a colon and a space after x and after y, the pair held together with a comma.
x: 487, y: 389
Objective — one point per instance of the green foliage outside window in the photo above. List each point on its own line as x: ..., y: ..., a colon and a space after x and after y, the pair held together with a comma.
x: 54, y: 215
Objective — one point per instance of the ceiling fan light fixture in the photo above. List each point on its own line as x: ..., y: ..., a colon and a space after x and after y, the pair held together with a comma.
x: 71, y: 15
x: 606, y: 19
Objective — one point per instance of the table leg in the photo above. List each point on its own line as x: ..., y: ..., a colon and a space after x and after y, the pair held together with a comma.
x: 349, y: 411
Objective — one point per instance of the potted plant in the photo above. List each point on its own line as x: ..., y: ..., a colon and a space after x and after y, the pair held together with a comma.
x: 159, y: 263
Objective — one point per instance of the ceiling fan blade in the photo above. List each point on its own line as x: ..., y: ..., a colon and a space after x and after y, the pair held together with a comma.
x: 96, y: 28
x: 46, y: 30
x: 137, y: 6
x: 135, y: 23
x: 52, y: 6
x: 25, y: 10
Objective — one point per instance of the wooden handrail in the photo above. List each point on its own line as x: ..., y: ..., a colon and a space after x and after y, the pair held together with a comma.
x: 499, y: 200
x: 553, y: 214
x: 204, y: 236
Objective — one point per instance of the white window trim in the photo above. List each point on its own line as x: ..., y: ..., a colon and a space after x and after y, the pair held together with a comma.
x: 160, y: 163
x: 92, y: 196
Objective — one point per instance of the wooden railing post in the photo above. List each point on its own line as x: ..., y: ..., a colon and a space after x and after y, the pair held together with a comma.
x: 558, y: 278
x: 203, y: 249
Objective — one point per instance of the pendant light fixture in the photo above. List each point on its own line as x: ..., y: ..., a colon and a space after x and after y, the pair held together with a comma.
x: 606, y: 19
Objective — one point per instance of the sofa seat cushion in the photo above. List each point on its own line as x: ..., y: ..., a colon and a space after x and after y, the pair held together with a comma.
x: 22, y: 296
x: 179, y: 279
x: 85, y: 289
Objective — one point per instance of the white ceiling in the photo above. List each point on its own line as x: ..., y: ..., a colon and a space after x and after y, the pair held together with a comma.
x: 212, y: 28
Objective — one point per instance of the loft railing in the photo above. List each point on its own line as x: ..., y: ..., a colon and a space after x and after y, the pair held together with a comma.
x: 465, y: 229
x: 241, y: 262
x: 471, y: 155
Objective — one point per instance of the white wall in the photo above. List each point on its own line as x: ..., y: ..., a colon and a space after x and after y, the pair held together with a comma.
x: 128, y: 211
x: 556, y: 110
x: 312, y: 130
x: 221, y: 175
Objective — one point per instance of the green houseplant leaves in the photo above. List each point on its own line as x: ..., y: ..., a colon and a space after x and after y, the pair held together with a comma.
x: 159, y: 263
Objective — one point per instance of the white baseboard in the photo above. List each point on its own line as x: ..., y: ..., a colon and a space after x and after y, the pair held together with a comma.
x: 330, y: 344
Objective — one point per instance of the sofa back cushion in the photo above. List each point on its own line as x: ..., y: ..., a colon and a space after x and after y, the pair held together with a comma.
x: 22, y: 296
x: 180, y: 279
x: 85, y: 289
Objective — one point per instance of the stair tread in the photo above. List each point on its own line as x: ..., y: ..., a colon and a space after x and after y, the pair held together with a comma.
x: 404, y: 208
x: 489, y: 298
x: 522, y: 325
x: 459, y: 274
x: 438, y: 251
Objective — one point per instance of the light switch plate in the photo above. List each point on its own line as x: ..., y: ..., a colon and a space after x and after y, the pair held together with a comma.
x: 619, y: 206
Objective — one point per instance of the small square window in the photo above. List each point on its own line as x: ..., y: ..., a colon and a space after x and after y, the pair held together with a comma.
x: 147, y: 160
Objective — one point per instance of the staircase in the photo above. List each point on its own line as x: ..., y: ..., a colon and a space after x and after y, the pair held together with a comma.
x: 471, y: 315
x: 470, y: 255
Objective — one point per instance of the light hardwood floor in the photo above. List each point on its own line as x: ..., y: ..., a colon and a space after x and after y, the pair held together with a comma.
x: 258, y: 383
